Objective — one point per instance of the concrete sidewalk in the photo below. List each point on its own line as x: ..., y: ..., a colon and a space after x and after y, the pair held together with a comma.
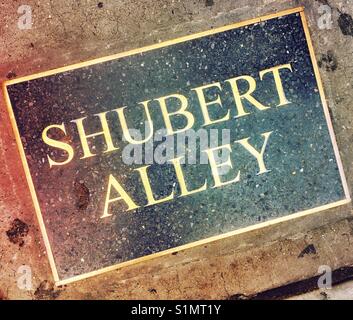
x: 66, y: 32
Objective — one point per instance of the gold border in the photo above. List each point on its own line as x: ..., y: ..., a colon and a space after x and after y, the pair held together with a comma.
x: 31, y: 185
x: 324, y: 104
x: 59, y: 282
x: 154, y: 46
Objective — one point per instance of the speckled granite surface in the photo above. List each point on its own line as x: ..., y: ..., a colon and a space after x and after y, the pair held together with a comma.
x: 302, y: 172
x: 66, y: 32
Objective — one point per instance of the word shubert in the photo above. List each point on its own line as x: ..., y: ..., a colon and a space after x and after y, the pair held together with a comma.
x: 274, y: 74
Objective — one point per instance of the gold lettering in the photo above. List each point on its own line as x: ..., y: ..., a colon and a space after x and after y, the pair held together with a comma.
x: 113, y: 183
x: 182, y: 111
x: 238, y: 97
x: 215, y: 166
x: 279, y: 86
x: 125, y: 127
x: 148, y: 189
x: 204, y: 105
x: 181, y: 179
x: 259, y: 156
x: 84, y: 137
x: 57, y: 144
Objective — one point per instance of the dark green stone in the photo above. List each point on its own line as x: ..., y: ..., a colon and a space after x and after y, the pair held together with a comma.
x: 304, y: 172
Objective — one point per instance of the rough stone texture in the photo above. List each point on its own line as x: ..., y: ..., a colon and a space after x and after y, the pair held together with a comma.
x: 342, y: 291
x: 65, y: 32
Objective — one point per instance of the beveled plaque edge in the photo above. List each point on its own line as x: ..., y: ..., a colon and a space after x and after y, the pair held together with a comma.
x: 60, y: 282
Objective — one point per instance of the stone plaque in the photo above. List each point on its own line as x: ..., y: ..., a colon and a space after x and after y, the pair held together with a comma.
x: 178, y: 144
